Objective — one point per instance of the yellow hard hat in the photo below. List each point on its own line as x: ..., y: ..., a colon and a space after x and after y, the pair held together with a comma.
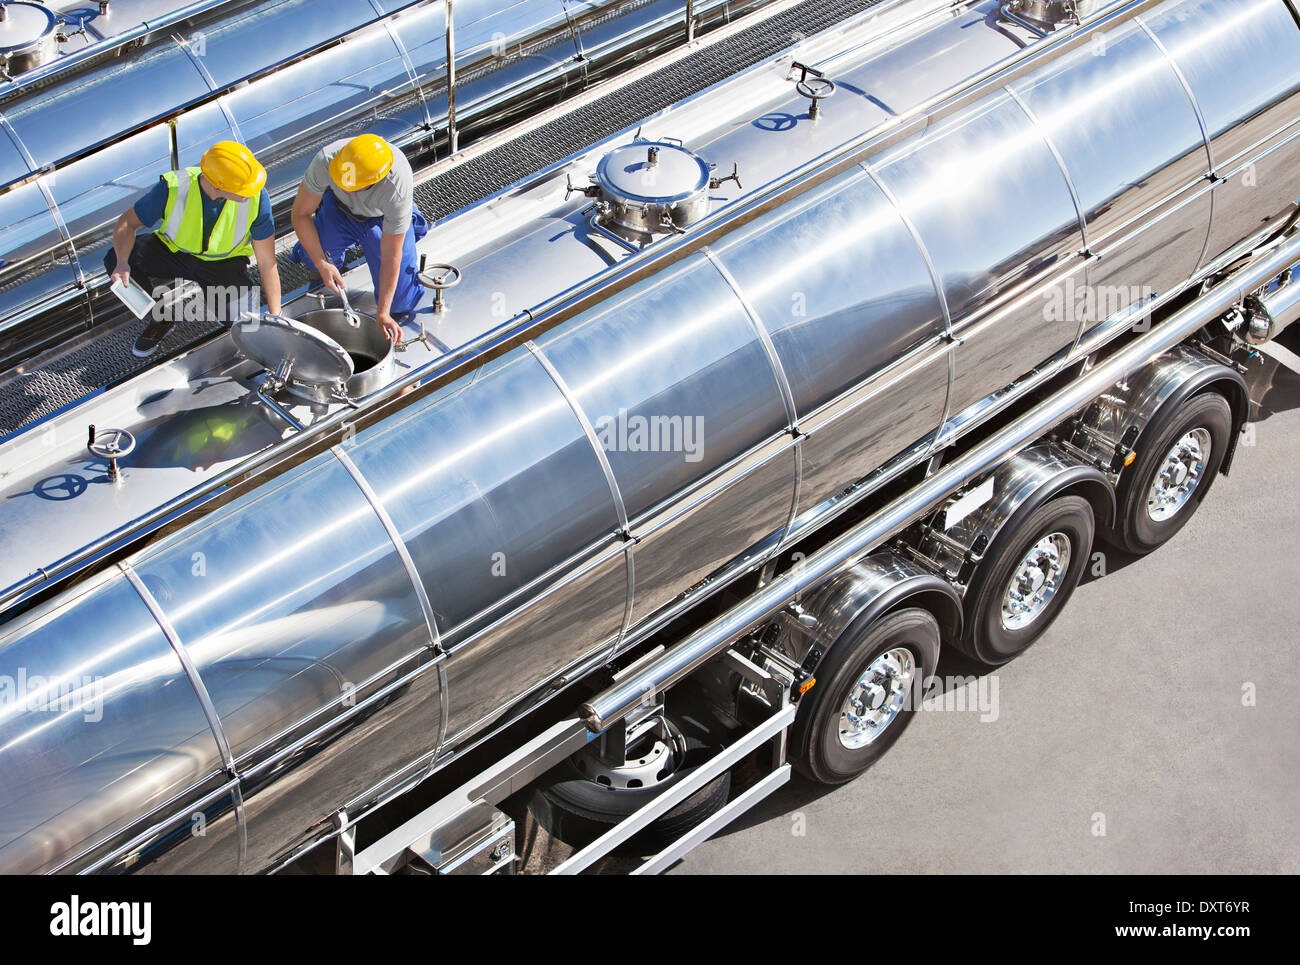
x: 361, y: 162
x: 231, y: 167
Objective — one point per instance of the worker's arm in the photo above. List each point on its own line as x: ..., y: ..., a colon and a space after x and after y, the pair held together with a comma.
x: 390, y: 265
x: 304, y: 206
x: 123, y: 241
x: 269, y: 269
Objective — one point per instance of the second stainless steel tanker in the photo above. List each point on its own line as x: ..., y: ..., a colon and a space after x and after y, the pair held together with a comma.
x: 149, y: 84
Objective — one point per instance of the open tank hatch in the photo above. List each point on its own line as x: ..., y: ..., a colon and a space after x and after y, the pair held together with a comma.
x: 320, y: 356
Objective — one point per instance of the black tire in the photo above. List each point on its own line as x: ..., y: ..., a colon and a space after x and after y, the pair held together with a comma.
x: 986, y: 638
x: 577, y: 811
x: 815, y: 747
x: 1135, y: 531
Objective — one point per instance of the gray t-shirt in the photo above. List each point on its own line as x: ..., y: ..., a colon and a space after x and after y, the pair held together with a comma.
x: 389, y: 199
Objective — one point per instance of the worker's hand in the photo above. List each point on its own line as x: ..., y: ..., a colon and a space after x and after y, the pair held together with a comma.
x: 390, y: 327
x: 121, y: 271
x: 332, y: 278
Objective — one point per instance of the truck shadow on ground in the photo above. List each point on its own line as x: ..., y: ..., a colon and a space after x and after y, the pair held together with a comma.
x: 1106, y: 561
x: 955, y: 670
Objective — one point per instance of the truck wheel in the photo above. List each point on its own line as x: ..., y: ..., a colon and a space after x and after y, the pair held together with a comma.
x: 584, y: 797
x: 1028, y: 575
x: 868, y: 688
x: 1172, y: 474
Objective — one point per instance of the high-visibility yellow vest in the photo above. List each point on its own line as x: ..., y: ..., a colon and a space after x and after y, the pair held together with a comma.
x: 182, y: 222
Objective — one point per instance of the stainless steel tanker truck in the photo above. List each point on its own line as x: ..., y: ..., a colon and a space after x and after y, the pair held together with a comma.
x: 768, y: 349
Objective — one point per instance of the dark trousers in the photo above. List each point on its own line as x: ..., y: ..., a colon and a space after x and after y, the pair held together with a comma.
x: 153, y: 264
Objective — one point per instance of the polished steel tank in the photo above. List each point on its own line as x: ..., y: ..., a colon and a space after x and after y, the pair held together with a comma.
x: 345, y: 609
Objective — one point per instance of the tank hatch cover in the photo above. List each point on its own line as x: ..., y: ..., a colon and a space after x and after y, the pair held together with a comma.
x: 652, y: 172
x: 24, y: 25
x: 303, y: 354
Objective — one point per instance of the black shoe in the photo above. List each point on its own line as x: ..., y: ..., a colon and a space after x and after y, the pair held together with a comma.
x: 151, y: 338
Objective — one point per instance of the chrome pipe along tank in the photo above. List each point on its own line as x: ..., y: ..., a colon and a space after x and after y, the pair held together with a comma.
x: 359, y: 606
x: 1282, y: 305
x: 94, y: 127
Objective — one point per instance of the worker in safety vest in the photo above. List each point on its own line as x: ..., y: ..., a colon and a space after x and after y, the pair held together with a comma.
x: 361, y: 191
x: 211, y: 220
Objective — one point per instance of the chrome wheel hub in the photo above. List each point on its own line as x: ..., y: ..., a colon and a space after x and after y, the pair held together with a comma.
x: 877, y: 697
x: 1035, y: 581
x: 1179, y: 475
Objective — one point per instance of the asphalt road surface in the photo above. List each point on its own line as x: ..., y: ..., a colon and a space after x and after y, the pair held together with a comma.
x: 1153, y: 728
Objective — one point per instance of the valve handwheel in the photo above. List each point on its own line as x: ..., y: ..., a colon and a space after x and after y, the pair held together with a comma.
x: 110, y: 444
x: 816, y: 89
x: 439, y: 278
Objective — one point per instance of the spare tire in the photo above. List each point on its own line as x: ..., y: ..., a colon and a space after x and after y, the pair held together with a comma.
x: 582, y: 798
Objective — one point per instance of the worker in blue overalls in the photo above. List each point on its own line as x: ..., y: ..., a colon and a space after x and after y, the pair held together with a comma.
x: 361, y: 192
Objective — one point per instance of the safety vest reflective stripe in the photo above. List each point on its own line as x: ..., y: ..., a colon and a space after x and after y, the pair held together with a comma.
x: 172, y: 228
x: 241, y: 229
x: 182, y: 228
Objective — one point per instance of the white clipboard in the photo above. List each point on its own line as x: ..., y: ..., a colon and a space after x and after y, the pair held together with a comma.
x: 135, y: 298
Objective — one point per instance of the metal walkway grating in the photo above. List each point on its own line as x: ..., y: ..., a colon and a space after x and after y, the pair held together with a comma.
x: 102, y: 357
